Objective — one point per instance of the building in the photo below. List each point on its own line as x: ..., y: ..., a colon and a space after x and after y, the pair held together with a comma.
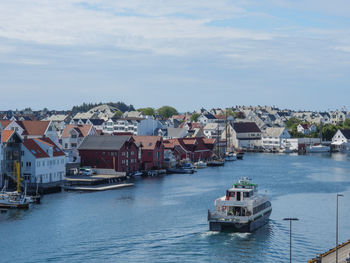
x: 110, y: 152
x: 274, y: 138
x: 72, y: 136
x: 42, y: 161
x: 11, y: 148
x: 306, y: 128
x: 205, y: 118
x: 191, y: 148
x: 34, y: 129
x: 152, y: 151
x: 246, y: 135
x: 341, y: 140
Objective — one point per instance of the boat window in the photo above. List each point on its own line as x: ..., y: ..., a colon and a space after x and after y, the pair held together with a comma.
x: 232, y: 194
x: 238, y: 196
x: 246, y: 194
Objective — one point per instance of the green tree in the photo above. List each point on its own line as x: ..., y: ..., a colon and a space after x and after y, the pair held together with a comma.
x: 147, y: 111
x: 346, y: 124
x: 167, y: 111
x: 194, y: 117
x: 118, y: 113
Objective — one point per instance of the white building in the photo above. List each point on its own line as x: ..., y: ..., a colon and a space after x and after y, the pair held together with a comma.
x: 273, y: 138
x: 205, y: 118
x: 42, y: 161
x: 341, y: 140
x: 306, y: 128
x: 72, y: 136
x: 246, y: 135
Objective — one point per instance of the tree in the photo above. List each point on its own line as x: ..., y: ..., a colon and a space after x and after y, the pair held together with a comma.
x: 147, y: 111
x: 118, y: 113
x: 194, y: 117
x: 167, y: 111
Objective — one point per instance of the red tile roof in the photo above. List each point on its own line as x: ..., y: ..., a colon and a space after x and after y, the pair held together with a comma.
x: 5, y: 123
x: 35, y: 149
x: 83, y: 130
x: 148, y: 142
x: 6, y: 135
x: 220, y: 117
x: 56, y: 150
x: 34, y: 127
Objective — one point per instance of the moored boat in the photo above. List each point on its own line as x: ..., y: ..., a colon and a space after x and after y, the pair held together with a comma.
x: 217, y: 162
x: 241, y: 210
x: 200, y: 165
x: 13, y: 200
x: 240, y: 155
x: 318, y: 149
x: 230, y: 156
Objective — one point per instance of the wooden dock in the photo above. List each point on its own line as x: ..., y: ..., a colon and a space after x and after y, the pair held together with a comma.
x: 97, y: 187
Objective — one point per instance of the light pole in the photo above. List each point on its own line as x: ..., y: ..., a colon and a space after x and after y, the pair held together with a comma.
x: 290, y: 235
x: 336, y: 232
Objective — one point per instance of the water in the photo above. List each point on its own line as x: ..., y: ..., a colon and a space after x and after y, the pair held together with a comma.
x: 165, y: 219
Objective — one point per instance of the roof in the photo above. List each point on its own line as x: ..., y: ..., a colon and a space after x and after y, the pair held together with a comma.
x: 56, y: 150
x: 274, y: 131
x: 245, y: 127
x: 83, y: 130
x: 208, y: 141
x: 96, y: 122
x: 6, y: 135
x: 209, y: 116
x: 35, y: 149
x: 176, y: 132
x: 34, y: 127
x: 148, y: 142
x: 346, y: 133
x: 104, y: 142
x: 5, y: 123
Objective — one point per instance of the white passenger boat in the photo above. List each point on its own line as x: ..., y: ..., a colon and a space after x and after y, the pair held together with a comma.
x: 242, y: 209
x: 230, y: 156
x: 318, y: 149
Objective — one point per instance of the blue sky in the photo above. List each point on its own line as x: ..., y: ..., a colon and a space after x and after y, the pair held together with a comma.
x: 184, y: 53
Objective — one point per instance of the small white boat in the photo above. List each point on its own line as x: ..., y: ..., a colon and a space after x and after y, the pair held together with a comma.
x: 318, y: 149
x: 13, y: 200
x: 200, y: 165
x: 230, y: 156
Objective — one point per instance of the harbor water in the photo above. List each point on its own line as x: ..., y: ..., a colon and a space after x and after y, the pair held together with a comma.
x: 164, y: 219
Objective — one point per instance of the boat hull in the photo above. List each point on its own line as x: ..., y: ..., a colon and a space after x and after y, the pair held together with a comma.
x: 238, y: 227
x: 16, y: 206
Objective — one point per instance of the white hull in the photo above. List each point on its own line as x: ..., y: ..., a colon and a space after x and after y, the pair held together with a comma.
x: 318, y: 149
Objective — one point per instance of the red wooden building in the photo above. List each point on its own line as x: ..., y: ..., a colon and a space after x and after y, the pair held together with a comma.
x: 110, y: 152
x: 152, y: 151
x: 191, y: 148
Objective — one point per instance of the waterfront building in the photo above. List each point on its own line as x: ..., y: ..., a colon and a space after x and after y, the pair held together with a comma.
x: 213, y: 130
x: 42, y: 161
x: 341, y: 140
x: 152, y: 151
x: 191, y: 148
x: 273, y: 137
x: 72, y: 136
x: 246, y: 135
x: 11, y: 147
x: 118, y: 152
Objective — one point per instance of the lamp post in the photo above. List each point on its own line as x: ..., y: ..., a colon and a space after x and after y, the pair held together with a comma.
x: 290, y: 235
x: 336, y: 232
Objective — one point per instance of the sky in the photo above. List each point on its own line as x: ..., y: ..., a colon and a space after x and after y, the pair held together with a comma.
x: 184, y: 53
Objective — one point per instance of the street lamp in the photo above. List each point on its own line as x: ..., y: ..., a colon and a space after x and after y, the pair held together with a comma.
x: 336, y: 232
x: 290, y: 235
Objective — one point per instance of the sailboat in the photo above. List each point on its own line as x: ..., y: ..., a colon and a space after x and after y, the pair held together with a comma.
x: 14, y: 199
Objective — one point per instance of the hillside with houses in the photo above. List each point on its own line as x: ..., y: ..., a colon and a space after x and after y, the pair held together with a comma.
x: 48, y: 143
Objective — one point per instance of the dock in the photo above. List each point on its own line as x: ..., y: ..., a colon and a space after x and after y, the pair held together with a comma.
x: 98, y: 187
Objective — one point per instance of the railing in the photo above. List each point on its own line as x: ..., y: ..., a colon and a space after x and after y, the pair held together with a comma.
x: 220, y: 217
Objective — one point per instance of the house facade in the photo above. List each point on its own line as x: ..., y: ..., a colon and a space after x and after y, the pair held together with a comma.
x: 152, y: 151
x: 341, y: 140
x: 71, y: 138
x: 274, y: 138
x: 246, y: 135
x: 191, y: 148
x: 110, y: 152
x: 306, y: 128
x: 42, y: 161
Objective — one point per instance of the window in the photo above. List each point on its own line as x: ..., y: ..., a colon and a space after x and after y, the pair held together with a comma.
x: 123, y: 153
x: 66, y: 145
x: 132, y: 153
x: 73, y: 145
x: 22, y: 153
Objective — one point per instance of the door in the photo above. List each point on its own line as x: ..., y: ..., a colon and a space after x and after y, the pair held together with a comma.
x: 238, y: 196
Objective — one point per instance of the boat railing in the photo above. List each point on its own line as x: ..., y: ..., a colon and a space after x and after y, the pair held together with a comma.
x: 221, y: 217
